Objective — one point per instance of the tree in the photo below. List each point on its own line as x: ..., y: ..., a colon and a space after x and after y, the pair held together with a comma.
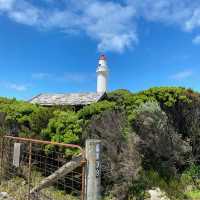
x: 162, y: 147
x: 121, y: 161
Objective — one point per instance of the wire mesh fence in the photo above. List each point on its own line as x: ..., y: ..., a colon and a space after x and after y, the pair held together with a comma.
x: 34, y: 169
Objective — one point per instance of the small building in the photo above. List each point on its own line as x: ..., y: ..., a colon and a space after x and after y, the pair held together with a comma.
x: 70, y: 99
x: 78, y: 99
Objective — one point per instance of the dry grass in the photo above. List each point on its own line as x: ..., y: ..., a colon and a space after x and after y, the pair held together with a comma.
x: 18, y: 188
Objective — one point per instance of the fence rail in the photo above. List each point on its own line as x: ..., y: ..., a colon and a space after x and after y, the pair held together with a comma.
x: 27, y: 163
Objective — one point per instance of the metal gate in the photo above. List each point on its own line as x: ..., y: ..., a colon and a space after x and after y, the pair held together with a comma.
x: 26, y: 163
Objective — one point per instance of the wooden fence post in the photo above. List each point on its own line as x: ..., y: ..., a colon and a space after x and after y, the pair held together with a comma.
x: 93, y: 170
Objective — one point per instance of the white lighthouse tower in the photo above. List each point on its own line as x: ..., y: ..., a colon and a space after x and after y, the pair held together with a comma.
x: 102, y: 75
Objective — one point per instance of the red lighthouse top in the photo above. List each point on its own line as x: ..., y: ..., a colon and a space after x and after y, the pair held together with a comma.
x: 102, y: 57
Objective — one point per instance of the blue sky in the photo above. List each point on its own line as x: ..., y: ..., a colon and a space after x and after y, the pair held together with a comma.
x: 53, y: 46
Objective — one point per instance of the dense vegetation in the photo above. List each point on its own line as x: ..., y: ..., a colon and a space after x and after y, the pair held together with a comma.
x: 150, y: 139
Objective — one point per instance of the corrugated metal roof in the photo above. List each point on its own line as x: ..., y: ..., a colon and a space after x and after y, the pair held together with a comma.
x: 67, y: 99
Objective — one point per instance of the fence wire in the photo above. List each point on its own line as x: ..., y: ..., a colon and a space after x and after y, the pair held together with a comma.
x: 26, y: 166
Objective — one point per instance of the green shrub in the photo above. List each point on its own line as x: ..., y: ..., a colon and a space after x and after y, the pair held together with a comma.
x: 95, y: 108
x: 64, y: 127
x: 190, y: 178
x: 167, y: 97
x: 164, y: 119
x: 151, y: 179
x: 194, y: 195
x: 193, y: 171
x: 23, y: 118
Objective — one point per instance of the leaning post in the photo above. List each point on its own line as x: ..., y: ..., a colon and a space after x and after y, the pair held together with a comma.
x: 93, y: 170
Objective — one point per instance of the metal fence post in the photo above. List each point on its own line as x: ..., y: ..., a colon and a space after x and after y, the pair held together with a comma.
x: 2, y: 158
x: 29, y: 169
x: 93, y: 170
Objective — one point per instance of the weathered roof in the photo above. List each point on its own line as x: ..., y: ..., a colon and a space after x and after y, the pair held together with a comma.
x: 67, y: 99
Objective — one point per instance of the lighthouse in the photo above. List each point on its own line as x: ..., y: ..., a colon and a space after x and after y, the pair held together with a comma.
x: 102, y: 75
x: 78, y: 99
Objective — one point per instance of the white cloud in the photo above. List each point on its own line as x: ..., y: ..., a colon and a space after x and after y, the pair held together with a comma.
x: 112, y: 24
x: 113, y: 42
x: 66, y: 77
x: 41, y: 75
x: 194, y: 20
x: 109, y: 23
x: 6, y: 4
x: 14, y: 86
x: 17, y: 87
x: 182, y: 75
x: 196, y: 40
x: 28, y: 17
x: 76, y: 77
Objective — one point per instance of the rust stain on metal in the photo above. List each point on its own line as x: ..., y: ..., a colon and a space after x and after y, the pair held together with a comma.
x: 45, y: 142
x: 33, y: 146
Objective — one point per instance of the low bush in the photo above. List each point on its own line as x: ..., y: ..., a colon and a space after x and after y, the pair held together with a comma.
x: 156, y: 129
